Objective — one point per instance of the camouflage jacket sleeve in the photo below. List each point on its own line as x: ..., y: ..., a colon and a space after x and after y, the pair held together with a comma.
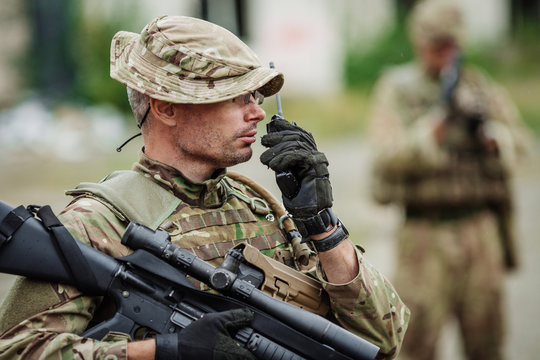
x: 370, y: 307
x: 47, y: 326
x: 513, y: 138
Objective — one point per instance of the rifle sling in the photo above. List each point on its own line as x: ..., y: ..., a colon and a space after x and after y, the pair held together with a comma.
x: 11, y: 222
x: 70, y: 252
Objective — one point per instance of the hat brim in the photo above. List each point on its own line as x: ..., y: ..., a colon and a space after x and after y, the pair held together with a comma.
x: 130, y: 65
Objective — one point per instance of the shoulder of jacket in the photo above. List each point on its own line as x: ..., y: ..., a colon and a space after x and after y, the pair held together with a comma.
x: 402, y: 73
x: 131, y: 195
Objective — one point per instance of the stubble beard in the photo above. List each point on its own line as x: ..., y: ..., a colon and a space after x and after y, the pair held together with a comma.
x: 224, y: 157
x: 235, y: 157
x: 230, y: 154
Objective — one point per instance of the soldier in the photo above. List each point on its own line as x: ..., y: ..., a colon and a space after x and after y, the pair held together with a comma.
x: 445, y: 137
x: 195, y: 90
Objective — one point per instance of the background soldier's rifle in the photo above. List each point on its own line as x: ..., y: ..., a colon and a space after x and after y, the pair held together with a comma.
x: 464, y: 129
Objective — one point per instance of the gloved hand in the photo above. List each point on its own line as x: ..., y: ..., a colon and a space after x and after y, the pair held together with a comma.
x: 209, y: 338
x: 293, y: 149
x: 469, y: 111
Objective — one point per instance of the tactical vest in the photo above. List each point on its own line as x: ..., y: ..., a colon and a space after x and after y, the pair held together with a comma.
x: 210, y: 232
x: 473, y: 182
x: 132, y: 196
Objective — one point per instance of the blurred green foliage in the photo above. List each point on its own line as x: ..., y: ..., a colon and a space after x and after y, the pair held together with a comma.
x: 92, y: 83
x: 363, y: 67
x: 332, y: 116
x: 69, y: 50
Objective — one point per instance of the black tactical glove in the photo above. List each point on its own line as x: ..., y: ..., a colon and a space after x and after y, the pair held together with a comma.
x: 209, y: 338
x: 302, y: 175
x: 292, y: 149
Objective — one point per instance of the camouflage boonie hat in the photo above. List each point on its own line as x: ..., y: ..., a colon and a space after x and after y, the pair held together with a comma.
x: 181, y: 59
x: 432, y: 20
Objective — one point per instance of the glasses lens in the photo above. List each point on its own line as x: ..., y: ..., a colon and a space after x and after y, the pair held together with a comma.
x: 259, y: 98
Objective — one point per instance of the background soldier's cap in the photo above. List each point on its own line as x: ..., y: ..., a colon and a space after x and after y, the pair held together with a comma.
x: 432, y: 20
x: 187, y: 60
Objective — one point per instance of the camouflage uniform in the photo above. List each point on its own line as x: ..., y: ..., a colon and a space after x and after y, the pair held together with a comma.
x: 450, y: 260
x: 207, y: 222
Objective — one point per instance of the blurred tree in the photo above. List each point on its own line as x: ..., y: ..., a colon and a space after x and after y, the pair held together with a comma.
x: 91, y: 42
x: 525, y: 15
x: 68, y: 57
x: 51, y: 66
x: 363, y: 68
x: 403, y: 6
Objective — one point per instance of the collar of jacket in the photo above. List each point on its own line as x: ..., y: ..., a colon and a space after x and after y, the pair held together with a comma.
x: 208, y: 194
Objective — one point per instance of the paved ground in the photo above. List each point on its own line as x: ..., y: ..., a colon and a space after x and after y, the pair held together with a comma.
x: 371, y: 225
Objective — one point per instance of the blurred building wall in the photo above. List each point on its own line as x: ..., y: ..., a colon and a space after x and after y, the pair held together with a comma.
x: 488, y: 21
x: 308, y: 39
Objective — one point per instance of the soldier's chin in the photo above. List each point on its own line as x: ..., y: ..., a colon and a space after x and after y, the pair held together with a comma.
x: 240, y: 157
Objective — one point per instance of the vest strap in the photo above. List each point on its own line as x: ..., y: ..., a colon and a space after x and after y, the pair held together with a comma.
x: 256, y: 204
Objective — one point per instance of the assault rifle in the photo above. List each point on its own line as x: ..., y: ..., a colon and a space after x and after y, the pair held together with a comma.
x: 466, y: 133
x: 153, y: 295
x: 450, y: 76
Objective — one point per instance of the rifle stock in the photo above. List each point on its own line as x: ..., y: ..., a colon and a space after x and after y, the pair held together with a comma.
x: 153, y: 296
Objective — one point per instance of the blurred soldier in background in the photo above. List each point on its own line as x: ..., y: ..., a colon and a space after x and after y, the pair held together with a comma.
x: 445, y: 136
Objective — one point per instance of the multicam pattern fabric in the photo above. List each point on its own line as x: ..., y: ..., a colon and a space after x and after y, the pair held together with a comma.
x: 187, y: 60
x: 208, y: 221
x: 435, y: 20
x: 451, y: 268
x: 450, y: 259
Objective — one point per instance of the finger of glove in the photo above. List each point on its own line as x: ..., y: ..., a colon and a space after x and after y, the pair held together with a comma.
x: 228, y: 349
x: 292, y: 159
x: 272, y: 139
x: 282, y: 124
x: 237, y: 319
x: 301, y: 164
x: 242, y: 315
x: 320, y: 164
x: 283, y: 148
x: 314, y: 195
x: 299, y: 161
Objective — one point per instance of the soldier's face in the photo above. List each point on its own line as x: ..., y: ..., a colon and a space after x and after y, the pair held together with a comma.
x: 218, y: 135
x: 436, y: 55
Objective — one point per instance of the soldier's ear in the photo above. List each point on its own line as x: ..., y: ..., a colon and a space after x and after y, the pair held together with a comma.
x: 164, y: 111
